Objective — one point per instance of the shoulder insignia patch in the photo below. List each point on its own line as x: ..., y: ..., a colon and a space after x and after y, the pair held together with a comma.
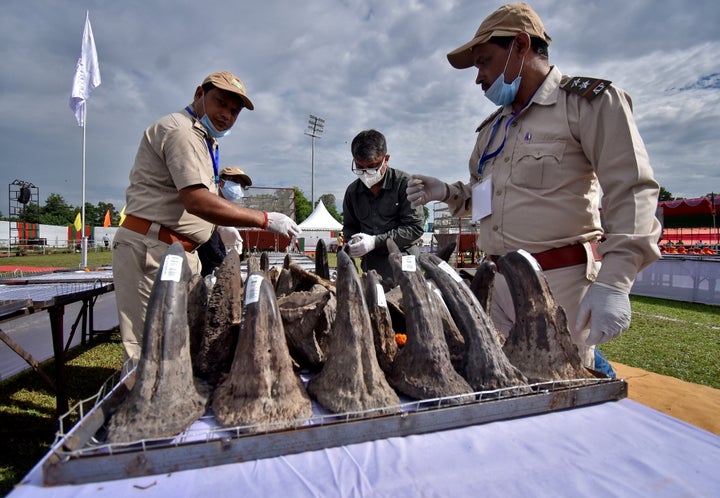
x: 588, y: 88
x: 488, y: 120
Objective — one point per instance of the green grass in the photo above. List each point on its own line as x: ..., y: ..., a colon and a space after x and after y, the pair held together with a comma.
x: 681, y: 340
x: 94, y: 259
x: 27, y: 406
x: 61, y: 260
x: 672, y: 338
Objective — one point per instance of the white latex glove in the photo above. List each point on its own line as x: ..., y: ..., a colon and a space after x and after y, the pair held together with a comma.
x: 607, y: 309
x: 231, y: 238
x: 423, y: 189
x: 284, y: 225
x: 361, y: 244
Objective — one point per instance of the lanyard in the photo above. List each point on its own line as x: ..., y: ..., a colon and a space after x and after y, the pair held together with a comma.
x: 215, y: 160
x: 487, y: 156
x: 214, y: 154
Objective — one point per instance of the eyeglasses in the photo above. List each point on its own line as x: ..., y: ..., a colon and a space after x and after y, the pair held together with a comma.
x: 358, y: 170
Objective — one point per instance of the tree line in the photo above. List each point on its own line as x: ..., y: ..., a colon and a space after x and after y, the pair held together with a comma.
x: 57, y: 211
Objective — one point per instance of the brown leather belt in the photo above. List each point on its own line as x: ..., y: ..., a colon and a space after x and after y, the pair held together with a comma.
x: 561, y: 257
x: 166, y: 235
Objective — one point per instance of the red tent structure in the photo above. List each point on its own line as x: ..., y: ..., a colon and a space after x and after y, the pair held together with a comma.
x: 690, y: 220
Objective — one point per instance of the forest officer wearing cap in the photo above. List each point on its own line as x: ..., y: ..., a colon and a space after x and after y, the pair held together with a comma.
x: 537, y: 171
x: 172, y: 197
x: 233, y: 184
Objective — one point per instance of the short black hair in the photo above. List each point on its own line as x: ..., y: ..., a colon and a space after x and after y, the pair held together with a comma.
x: 538, y: 45
x: 368, y: 145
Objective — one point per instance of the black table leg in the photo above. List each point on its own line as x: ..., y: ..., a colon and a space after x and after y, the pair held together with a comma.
x: 56, y: 326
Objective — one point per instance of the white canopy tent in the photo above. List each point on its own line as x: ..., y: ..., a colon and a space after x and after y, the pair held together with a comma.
x: 319, y: 225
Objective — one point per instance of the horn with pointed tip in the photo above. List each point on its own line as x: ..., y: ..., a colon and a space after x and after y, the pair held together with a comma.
x: 351, y: 379
x: 422, y: 368
x: 539, y: 342
x: 165, y: 398
x: 262, y: 387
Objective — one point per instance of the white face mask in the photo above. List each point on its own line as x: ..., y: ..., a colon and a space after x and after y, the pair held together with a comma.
x: 371, y: 179
x: 233, y: 192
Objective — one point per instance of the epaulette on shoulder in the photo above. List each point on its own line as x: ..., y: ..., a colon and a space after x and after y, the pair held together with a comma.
x: 588, y: 88
x: 488, y: 120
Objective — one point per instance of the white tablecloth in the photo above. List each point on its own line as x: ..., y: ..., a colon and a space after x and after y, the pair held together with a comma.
x: 618, y: 448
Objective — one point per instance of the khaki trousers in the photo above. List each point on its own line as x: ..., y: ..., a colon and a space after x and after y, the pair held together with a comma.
x: 136, y: 261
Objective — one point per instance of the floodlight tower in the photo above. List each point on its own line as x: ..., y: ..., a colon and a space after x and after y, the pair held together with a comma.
x: 316, y: 126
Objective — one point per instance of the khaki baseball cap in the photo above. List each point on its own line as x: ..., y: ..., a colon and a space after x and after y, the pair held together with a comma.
x: 235, y: 171
x: 225, y: 80
x: 508, y: 20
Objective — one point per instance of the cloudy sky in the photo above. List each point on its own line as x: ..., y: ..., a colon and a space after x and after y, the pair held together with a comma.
x: 356, y: 63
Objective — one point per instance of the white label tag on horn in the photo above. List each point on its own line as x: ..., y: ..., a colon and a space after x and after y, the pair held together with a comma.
x: 172, y: 268
x: 252, y: 289
x: 408, y: 263
x: 380, y: 296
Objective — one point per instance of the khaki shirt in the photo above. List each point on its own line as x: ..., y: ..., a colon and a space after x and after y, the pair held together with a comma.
x: 173, y: 154
x: 560, y: 151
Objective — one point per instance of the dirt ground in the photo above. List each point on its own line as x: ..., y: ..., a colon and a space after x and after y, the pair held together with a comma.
x: 693, y: 403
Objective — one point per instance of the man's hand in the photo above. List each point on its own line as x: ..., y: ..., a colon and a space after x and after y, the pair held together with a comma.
x: 361, y: 244
x: 284, y: 225
x: 423, y: 189
x: 607, y: 309
x: 231, y: 238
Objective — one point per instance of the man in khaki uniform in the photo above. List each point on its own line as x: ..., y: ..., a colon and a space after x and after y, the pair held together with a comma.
x: 536, y: 174
x: 233, y: 183
x: 172, y: 197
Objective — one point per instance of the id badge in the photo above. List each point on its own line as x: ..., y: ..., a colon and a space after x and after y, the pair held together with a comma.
x: 482, y: 199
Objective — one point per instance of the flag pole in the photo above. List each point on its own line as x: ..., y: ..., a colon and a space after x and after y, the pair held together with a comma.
x: 86, y: 79
x: 83, y: 243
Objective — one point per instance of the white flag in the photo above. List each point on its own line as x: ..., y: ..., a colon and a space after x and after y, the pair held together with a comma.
x: 87, y: 74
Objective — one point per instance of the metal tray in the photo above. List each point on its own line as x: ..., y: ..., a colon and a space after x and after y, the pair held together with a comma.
x: 80, y: 456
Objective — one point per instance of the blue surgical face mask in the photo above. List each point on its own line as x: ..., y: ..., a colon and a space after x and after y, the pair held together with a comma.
x: 501, y: 93
x: 212, y: 131
x: 234, y: 192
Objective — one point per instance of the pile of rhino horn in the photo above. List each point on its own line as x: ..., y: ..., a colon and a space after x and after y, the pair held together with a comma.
x: 165, y: 398
x: 351, y: 379
x: 213, y: 345
x: 422, y: 368
x: 386, y: 347
x: 249, y: 352
x: 539, y: 342
x: 485, y: 366
x: 262, y: 387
